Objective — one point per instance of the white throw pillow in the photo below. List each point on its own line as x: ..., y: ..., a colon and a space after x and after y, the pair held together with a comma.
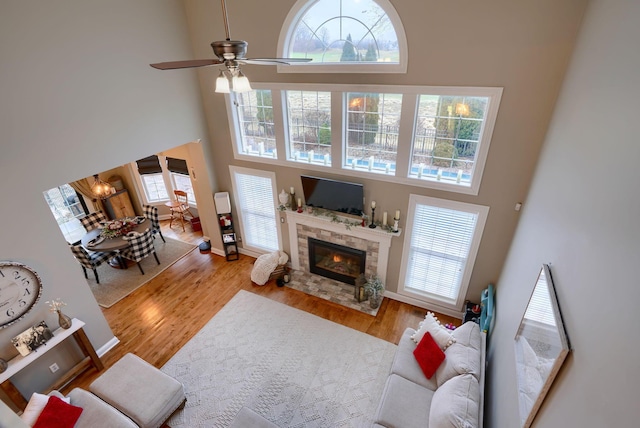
x: 34, y: 408
x: 456, y: 404
x: 36, y: 404
x: 440, y: 334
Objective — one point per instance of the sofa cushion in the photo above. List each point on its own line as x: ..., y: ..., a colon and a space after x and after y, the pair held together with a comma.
x: 464, y: 356
x: 440, y: 334
x: 404, y: 404
x: 428, y: 355
x: 139, y: 390
x: 456, y: 403
x: 405, y: 364
x: 96, y: 413
x: 58, y: 414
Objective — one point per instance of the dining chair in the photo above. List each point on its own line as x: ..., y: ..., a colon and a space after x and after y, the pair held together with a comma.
x: 91, y: 260
x: 151, y: 212
x: 93, y: 220
x: 181, y: 208
x: 140, y: 247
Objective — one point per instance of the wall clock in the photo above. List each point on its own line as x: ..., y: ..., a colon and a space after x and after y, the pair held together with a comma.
x: 20, y: 290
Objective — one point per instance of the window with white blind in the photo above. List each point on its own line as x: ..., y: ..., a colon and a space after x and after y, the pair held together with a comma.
x: 539, y: 307
x: 255, y: 196
x: 440, y: 249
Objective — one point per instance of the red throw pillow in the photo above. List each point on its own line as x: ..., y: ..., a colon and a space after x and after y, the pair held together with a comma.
x: 58, y: 414
x: 428, y: 355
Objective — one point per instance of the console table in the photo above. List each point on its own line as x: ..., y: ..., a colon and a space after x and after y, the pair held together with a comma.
x: 20, y: 362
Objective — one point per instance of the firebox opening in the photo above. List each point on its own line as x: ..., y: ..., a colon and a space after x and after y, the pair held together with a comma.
x: 336, y: 261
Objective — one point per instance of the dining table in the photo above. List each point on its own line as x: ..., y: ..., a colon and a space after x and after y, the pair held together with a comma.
x: 93, y: 241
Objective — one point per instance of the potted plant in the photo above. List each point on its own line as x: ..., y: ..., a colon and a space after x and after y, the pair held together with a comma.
x: 374, y: 287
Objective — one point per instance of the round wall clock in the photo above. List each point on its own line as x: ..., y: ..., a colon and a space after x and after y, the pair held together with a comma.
x: 20, y: 290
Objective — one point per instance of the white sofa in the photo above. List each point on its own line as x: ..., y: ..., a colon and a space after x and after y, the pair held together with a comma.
x: 453, y: 397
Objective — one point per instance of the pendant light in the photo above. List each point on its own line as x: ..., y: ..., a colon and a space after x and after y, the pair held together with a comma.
x: 100, y: 188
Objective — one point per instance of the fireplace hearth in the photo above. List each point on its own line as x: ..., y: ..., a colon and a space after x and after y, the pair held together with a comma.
x: 335, y: 261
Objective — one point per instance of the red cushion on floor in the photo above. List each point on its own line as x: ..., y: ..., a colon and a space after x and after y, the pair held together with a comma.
x: 428, y: 355
x: 58, y: 414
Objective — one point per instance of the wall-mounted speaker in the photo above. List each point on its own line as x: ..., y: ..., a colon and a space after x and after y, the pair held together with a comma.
x: 223, y: 204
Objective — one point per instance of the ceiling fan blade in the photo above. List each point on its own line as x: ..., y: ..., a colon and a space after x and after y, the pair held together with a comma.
x: 172, y: 65
x: 273, y: 61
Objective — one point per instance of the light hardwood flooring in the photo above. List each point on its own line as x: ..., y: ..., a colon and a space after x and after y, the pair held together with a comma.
x: 156, y: 320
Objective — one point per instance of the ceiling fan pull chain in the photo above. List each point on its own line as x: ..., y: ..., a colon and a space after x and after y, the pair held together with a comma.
x: 226, y: 19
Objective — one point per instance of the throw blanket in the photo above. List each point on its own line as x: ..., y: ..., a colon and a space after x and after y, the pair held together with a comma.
x: 266, y: 264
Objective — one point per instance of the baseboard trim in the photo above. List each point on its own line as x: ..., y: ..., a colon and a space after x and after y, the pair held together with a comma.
x: 421, y: 304
x: 107, y: 346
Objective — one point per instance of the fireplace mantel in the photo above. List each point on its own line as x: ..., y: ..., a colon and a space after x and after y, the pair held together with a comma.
x: 383, y: 238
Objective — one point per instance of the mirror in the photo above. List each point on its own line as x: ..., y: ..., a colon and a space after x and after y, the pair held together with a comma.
x: 541, y: 346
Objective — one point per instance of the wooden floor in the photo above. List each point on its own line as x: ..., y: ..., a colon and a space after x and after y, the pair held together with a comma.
x: 156, y: 320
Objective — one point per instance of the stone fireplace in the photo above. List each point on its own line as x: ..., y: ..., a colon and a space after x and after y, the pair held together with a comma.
x: 335, y: 261
x: 374, y: 243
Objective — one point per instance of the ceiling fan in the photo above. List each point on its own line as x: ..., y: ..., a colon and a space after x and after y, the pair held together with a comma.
x: 231, y: 53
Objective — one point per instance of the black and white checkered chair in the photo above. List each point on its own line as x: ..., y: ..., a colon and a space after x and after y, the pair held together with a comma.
x: 91, y: 260
x: 93, y: 220
x: 151, y: 213
x: 140, y: 247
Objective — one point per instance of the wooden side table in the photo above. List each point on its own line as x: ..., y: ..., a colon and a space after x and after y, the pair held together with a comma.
x: 20, y: 362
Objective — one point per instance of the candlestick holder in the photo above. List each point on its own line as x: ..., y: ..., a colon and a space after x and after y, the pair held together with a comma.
x: 373, y: 215
x: 294, y: 205
x: 395, y: 224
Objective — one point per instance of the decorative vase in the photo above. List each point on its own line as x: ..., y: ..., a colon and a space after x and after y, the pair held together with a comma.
x: 3, y: 365
x: 63, y: 320
x: 375, y: 300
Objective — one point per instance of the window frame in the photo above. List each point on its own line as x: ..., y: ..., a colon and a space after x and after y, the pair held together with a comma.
x: 410, y: 97
x: 300, y: 8
x: 67, y: 232
x: 482, y: 213
x: 252, y: 250
x: 167, y: 178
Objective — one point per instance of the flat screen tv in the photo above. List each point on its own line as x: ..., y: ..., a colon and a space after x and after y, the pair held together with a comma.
x: 333, y: 195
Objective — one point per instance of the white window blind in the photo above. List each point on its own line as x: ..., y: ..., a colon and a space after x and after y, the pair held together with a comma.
x: 255, y: 201
x: 439, y: 252
x: 540, y: 308
x: 440, y: 243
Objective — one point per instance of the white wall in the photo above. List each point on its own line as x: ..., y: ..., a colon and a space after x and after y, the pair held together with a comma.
x: 78, y: 97
x: 583, y: 216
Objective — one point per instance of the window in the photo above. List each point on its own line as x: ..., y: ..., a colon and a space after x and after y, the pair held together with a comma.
x: 154, y: 187
x: 67, y: 207
x: 183, y: 182
x: 446, y: 137
x: 373, y: 122
x: 159, y: 177
x: 255, y: 123
x: 344, y: 36
x: 440, y: 249
x: 427, y: 136
x: 309, y: 116
x: 255, y: 197
x: 180, y: 178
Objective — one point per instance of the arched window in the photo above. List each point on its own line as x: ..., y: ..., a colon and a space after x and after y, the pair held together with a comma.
x: 342, y: 36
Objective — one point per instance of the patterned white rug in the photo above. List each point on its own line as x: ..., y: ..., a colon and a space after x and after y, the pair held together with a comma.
x: 293, y: 368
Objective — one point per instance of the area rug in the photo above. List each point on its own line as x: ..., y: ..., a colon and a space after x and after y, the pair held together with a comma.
x: 116, y: 284
x: 329, y: 289
x: 292, y: 368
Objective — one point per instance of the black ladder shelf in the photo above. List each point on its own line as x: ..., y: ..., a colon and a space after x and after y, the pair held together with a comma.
x: 229, y: 240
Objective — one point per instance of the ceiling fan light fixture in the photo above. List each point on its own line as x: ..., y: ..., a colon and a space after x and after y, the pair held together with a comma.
x: 222, y: 84
x: 240, y: 83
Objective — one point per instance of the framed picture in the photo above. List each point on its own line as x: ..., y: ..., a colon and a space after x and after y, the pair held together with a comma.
x: 31, y: 338
x: 228, y: 238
